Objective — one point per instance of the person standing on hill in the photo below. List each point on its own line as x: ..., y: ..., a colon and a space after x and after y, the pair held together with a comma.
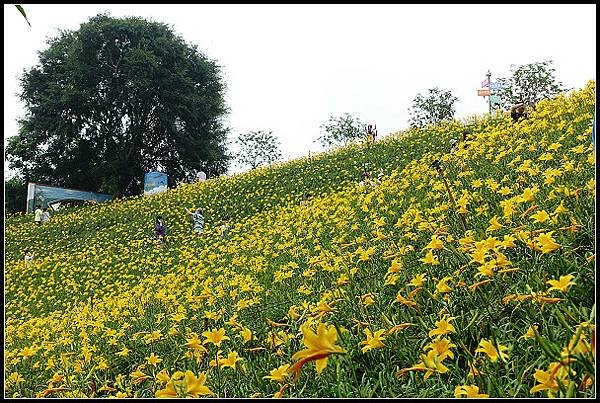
x: 28, y: 258
x: 160, y: 231
x: 517, y: 112
x: 365, y: 174
x: 366, y: 177
x: 372, y: 133
x: 38, y: 214
x: 225, y: 227
x: 453, y: 145
x: 306, y: 200
x: 197, y: 218
x: 45, y: 216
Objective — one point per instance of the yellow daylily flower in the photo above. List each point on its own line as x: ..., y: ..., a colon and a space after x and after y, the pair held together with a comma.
x: 278, y: 374
x: 490, y: 350
x: 546, y: 242
x: 470, y: 391
x: 194, y: 387
x: 443, y: 326
x: 153, y: 359
x: 320, y: 345
x: 541, y: 216
x: 430, y: 258
x: 562, y: 284
x: 215, y: 337
x: 418, y: 280
x: 374, y: 340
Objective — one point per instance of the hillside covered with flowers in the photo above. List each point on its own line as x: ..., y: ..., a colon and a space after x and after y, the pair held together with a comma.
x: 390, y: 288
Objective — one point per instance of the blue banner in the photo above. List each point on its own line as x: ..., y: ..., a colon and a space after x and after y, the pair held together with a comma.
x: 155, y: 182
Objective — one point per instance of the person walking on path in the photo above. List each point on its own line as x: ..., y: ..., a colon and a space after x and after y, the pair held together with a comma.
x: 197, y: 218
x: 38, y: 214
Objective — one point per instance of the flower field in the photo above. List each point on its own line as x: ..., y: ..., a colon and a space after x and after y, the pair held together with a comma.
x: 385, y: 290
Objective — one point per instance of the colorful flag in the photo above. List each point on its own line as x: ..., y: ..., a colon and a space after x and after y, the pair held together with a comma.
x: 485, y: 82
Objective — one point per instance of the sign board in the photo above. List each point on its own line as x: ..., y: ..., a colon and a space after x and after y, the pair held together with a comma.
x: 50, y: 196
x: 155, y: 182
x: 495, y: 86
x: 483, y: 93
x: 495, y: 100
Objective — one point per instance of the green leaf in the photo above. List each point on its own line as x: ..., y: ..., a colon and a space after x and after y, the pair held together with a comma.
x: 20, y: 8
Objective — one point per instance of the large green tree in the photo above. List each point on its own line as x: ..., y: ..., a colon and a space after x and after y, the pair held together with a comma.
x: 529, y: 83
x: 115, y: 99
x: 433, y: 108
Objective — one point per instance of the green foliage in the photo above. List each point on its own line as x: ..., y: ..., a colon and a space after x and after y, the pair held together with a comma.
x: 15, y: 195
x: 115, y: 99
x: 22, y: 11
x: 529, y: 83
x: 341, y: 130
x: 432, y: 109
x: 257, y: 148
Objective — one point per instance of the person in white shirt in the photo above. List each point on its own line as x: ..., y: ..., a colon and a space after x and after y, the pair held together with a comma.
x: 38, y: 215
x: 28, y: 258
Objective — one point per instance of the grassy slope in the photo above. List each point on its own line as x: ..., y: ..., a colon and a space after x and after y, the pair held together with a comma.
x: 334, y: 252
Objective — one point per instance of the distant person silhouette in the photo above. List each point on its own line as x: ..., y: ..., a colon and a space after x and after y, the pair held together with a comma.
x: 29, y: 256
x: 45, y: 216
x: 38, y: 214
x: 160, y: 231
x: 197, y: 218
x: 518, y: 112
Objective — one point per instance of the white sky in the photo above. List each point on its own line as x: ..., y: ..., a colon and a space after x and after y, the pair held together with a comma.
x: 289, y: 67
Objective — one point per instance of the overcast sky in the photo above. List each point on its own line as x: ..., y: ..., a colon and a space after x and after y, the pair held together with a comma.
x: 289, y: 67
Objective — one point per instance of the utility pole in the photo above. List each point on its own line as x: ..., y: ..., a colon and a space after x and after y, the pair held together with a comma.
x: 489, y: 77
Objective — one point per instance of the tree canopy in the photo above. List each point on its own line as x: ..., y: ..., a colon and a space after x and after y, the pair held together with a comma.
x: 115, y: 99
x: 432, y: 108
x: 15, y: 195
x: 257, y: 148
x: 529, y: 83
x: 341, y: 130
